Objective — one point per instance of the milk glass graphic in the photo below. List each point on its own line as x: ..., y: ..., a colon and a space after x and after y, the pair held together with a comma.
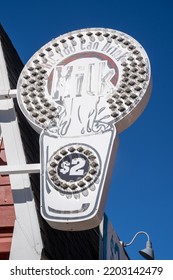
x: 79, y: 91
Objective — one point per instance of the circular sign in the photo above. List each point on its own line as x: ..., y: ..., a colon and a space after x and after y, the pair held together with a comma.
x: 105, y: 67
x: 74, y: 167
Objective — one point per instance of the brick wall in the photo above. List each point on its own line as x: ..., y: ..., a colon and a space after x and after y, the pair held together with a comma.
x: 7, y: 214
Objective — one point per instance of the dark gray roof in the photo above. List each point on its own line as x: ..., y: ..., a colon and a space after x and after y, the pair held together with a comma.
x: 81, y: 245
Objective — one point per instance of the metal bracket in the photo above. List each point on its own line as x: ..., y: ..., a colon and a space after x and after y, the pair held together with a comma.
x: 20, y: 169
x: 6, y: 94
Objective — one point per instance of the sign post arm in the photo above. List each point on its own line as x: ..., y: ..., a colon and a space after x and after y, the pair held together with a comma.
x: 20, y: 169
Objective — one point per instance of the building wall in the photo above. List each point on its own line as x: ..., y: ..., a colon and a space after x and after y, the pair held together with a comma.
x: 7, y: 213
x: 26, y: 238
x: 57, y: 244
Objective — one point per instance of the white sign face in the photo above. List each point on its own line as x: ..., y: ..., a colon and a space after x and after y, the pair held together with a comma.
x: 93, y: 63
x: 75, y: 90
x: 75, y: 178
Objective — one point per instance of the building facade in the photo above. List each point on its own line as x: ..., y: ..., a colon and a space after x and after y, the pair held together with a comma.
x: 24, y: 234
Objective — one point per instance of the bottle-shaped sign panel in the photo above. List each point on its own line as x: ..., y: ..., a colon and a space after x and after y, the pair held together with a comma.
x: 79, y: 91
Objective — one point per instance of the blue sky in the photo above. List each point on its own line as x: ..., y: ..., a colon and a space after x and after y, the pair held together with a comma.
x: 141, y: 191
